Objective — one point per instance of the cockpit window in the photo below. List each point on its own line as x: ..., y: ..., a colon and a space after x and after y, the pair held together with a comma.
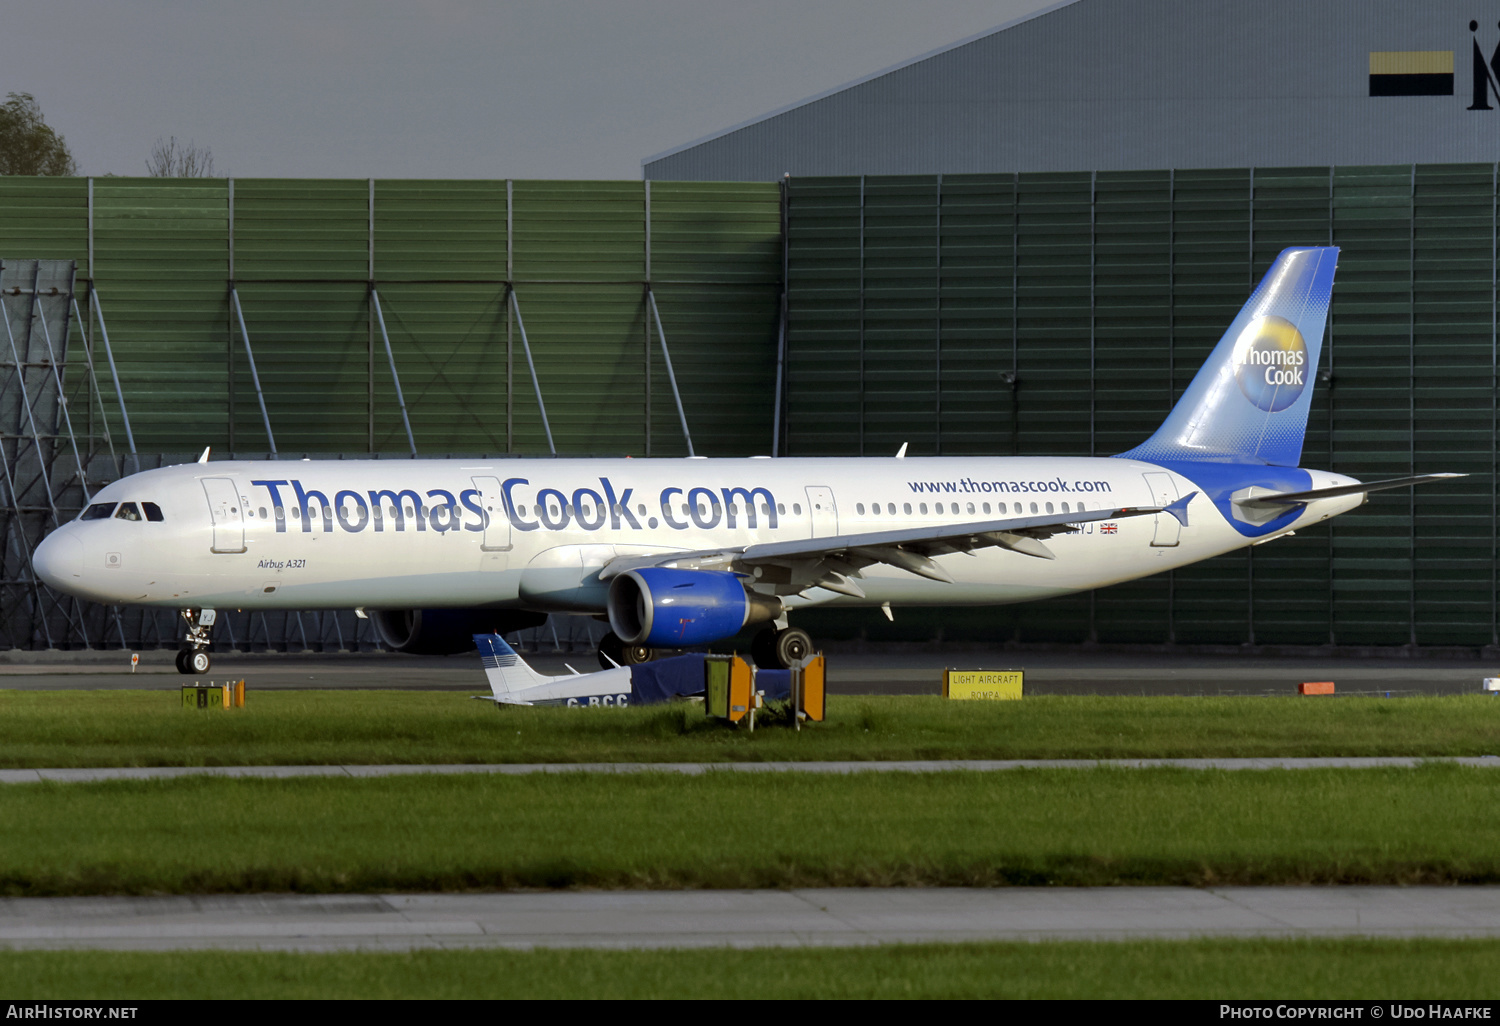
x: 128, y: 511
x: 153, y: 512
x: 98, y: 511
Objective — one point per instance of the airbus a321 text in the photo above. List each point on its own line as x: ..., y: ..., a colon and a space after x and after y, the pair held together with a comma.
x: 684, y: 552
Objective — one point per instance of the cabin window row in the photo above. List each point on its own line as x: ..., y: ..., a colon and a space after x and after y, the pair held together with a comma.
x: 969, y: 509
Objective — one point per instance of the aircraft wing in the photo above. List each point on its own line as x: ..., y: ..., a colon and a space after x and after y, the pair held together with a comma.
x: 833, y: 562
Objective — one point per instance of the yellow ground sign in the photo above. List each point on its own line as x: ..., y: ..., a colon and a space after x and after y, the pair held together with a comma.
x: 983, y: 684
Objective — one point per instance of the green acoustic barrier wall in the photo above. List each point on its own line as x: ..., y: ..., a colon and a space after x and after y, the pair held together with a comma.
x: 162, y: 255
x: 1043, y: 314
x: 1063, y: 314
x: 454, y: 269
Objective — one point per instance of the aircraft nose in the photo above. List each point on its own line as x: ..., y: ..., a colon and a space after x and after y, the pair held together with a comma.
x: 58, y: 560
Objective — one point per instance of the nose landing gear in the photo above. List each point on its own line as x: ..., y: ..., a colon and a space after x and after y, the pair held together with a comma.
x: 194, y: 656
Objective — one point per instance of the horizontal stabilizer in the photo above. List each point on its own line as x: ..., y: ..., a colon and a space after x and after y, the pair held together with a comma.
x: 1290, y: 498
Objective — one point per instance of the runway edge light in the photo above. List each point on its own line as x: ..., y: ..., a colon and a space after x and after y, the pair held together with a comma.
x: 984, y: 685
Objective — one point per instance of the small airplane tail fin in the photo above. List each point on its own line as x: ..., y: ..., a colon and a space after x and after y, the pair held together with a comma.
x: 1249, y: 401
x: 506, y: 670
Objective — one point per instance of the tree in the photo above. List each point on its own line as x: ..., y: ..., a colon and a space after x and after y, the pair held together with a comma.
x: 169, y: 161
x: 27, y: 145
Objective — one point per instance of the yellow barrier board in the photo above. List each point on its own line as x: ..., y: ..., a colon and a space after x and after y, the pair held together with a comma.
x: 229, y: 695
x: 991, y: 685
x: 716, y: 688
x: 728, y: 688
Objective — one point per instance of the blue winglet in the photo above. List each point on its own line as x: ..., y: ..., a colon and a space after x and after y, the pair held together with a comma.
x: 1179, y: 508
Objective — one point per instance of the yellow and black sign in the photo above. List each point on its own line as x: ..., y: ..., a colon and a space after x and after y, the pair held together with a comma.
x: 1411, y: 73
x: 229, y: 695
x: 983, y: 684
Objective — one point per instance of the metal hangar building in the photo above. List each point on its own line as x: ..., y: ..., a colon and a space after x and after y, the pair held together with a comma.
x: 1109, y: 85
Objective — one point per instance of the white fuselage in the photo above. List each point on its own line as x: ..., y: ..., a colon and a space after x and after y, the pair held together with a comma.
x: 533, y: 534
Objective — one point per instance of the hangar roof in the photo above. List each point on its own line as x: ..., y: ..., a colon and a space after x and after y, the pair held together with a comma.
x: 858, y: 81
x: 1130, y: 84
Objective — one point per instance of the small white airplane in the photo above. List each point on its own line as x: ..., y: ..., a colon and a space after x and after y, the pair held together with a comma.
x: 513, y: 682
x: 678, y: 553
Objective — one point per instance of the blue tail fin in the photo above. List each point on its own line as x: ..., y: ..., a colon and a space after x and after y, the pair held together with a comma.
x: 506, y: 670
x: 1249, y: 402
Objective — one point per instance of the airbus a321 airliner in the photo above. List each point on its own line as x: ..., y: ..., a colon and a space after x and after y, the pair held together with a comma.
x: 684, y: 552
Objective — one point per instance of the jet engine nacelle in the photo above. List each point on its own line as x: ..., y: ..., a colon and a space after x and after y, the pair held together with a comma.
x: 667, y: 608
x: 446, y: 631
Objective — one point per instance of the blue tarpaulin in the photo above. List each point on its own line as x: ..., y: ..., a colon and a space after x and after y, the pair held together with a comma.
x: 775, y: 683
x: 663, y: 679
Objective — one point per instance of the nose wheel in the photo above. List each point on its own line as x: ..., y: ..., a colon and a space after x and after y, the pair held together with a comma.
x: 194, y: 658
x: 193, y: 661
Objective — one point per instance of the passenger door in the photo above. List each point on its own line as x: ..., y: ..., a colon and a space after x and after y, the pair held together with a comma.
x: 496, y: 523
x: 228, y: 517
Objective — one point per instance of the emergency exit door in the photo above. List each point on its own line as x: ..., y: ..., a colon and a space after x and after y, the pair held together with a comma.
x: 825, y: 514
x: 1164, y: 493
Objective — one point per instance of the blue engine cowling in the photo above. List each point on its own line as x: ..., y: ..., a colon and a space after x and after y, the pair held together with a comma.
x: 667, y: 608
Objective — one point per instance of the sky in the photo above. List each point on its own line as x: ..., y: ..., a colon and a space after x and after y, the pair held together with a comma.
x: 446, y: 88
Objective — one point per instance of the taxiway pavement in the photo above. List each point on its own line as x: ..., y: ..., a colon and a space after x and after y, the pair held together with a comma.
x: 88, y: 774
x: 897, y: 670
x: 695, y: 919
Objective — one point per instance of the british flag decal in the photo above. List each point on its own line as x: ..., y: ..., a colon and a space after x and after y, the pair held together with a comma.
x: 1109, y: 528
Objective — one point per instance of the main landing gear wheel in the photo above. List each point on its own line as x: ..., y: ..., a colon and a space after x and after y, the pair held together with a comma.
x: 792, y: 646
x: 784, y: 648
x: 625, y: 655
x: 193, y: 661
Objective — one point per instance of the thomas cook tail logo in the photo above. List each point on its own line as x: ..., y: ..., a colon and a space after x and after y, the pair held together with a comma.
x: 1270, y: 360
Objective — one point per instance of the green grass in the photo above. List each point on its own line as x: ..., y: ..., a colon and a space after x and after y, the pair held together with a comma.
x: 1203, y: 969
x: 1433, y: 824
x: 136, y: 728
